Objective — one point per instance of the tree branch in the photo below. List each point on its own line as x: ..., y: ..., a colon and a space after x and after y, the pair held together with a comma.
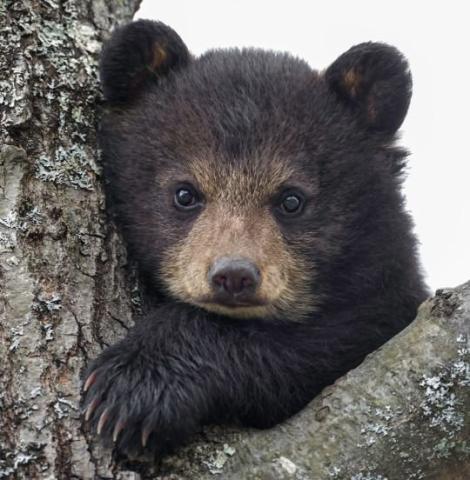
x: 404, y: 413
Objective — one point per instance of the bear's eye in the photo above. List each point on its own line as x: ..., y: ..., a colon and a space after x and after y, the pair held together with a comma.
x: 186, y: 198
x: 291, y: 203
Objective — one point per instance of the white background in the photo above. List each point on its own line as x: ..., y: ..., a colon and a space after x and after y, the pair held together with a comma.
x: 434, y: 36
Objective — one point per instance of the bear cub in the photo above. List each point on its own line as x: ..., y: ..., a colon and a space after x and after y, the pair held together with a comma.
x: 262, y: 202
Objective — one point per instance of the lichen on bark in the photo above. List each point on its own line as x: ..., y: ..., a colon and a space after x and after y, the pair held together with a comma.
x: 64, y: 292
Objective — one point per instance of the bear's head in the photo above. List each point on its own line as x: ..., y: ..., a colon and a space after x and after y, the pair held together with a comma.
x: 247, y: 183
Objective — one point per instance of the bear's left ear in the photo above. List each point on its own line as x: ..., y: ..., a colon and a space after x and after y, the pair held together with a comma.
x: 137, y: 55
x: 375, y: 81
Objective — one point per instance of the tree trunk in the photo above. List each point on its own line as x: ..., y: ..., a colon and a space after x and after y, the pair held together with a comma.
x: 66, y: 294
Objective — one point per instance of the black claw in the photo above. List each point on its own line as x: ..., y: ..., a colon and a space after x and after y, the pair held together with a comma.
x: 145, y: 436
x: 103, y: 418
x: 91, y: 408
x: 90, y: 380
x: 118, y: 429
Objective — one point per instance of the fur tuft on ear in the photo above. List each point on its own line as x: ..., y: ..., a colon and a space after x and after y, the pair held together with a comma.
x: 374, y: 79
x: 136, y: 55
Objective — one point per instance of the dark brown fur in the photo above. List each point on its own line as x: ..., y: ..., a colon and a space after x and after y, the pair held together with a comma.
x: 338, y: 279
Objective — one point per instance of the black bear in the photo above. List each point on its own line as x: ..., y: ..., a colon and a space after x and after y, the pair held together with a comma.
x: 262, y: 202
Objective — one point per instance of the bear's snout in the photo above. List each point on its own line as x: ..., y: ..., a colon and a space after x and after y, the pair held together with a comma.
x: 234, y: 281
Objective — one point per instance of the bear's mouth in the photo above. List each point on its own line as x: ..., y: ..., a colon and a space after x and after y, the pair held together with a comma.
x: 231, y: 303
x: 237, y: 308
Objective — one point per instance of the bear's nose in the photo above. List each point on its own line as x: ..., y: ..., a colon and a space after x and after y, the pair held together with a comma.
x: 234, y: 280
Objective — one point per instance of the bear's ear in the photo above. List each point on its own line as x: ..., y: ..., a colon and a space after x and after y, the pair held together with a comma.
x: 375, y: 81
x: 136, y: 55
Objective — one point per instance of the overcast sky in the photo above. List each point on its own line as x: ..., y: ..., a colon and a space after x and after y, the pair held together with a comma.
x: 434, y: 36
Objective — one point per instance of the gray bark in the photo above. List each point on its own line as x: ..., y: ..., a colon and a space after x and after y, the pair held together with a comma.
x: 65, y: 294
x: 403, y: 414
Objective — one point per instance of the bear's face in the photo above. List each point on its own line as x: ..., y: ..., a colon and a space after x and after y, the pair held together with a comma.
x: 238, y: 177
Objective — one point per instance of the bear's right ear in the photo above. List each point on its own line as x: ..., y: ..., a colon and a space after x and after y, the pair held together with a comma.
x: 374, y: 80
x: 136, y: 55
